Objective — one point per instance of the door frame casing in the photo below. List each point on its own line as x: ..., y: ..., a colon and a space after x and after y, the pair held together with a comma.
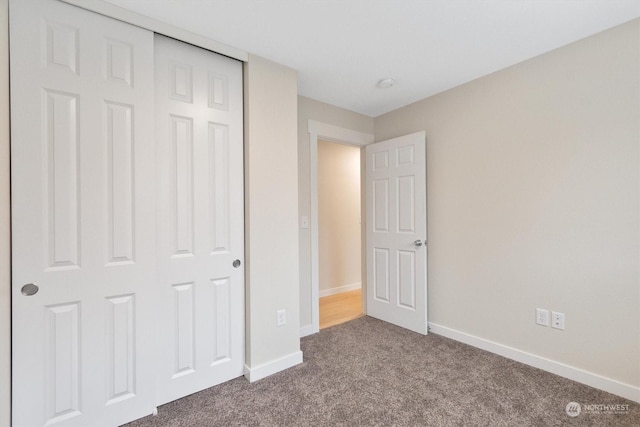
x: 5, y: 222
x: 324, y: 131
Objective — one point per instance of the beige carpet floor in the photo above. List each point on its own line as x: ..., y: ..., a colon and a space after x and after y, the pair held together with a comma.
x: 369, y: 373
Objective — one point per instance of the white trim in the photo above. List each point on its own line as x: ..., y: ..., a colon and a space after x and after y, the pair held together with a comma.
x: 306, y: 330
x: 133, y: 18
x: 336, y: 133
x: 319, y: 130
x: 576, y: 374
x: 339, y: 289
x: 273, y: 367
x: 313, y: 223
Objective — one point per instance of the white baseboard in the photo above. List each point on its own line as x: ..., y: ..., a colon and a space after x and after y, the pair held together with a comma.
x: 584, y: 377
x: 270, y: 368
x: 306, y: 330
x: 339, y: 289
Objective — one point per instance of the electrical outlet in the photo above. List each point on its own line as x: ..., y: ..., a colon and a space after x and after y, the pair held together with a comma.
x: 557, y: 320
x: 542, y: 317
x: 281, y: 317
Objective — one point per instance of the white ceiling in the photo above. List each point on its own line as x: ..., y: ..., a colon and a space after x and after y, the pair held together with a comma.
x: 342, y: 48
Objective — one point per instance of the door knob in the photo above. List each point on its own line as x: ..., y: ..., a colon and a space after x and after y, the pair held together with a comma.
x: 29, y: 289
x: 418, y: 243
x: 236, y: 263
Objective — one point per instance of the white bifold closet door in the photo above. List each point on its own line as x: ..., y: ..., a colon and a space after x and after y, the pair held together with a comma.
x: 201, y: 218
x: 83, y: 217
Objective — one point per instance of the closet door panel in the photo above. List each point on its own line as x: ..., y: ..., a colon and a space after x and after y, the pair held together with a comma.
x: 201, y: 224
x: 83, y: 217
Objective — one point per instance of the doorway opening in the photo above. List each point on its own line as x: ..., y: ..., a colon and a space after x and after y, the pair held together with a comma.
x: 339, y: 233
x: 326, y: 132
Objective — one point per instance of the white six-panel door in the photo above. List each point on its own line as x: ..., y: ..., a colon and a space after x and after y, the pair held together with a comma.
x: 82, y: 216
x: 396, y: 196
x: 200, y: 234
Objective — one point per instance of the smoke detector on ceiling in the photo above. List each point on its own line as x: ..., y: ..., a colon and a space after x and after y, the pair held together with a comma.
x: 385, y: 83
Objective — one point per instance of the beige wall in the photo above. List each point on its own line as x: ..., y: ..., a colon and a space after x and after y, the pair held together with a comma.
x: 533, y: 201
x: 309, y: 109
x: 338, y: 215
x: 271, y: 211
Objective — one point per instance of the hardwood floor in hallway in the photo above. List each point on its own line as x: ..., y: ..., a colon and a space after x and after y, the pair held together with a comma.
x: 340, y: 308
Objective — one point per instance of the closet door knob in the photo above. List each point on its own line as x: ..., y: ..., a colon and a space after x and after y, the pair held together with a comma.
x: 29, y: 289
